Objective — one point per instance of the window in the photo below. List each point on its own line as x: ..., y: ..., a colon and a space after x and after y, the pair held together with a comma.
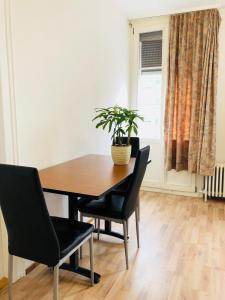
x: 150, y: 84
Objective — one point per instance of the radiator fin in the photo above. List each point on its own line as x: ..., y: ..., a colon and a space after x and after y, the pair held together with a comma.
x: 214, y: 186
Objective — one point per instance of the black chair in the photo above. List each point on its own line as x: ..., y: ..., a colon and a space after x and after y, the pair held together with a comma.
x: 32, y: 233
x: 135, y: 146
x: 119, y: 206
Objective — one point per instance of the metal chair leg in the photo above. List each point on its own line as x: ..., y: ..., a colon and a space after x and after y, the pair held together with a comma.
x: 10, y: 276
x: 91, y: 259
x: 138, y: 207
x: 80, y: 250
x: 137, y: 227
x: 56, y: 283
x: 125, y: 242
x: 98, y: 229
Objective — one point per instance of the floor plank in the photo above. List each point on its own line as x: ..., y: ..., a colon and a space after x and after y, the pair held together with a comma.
x: 182, y: 256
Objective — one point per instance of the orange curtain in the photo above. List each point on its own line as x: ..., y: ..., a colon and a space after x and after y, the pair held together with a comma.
x: 190, y: 112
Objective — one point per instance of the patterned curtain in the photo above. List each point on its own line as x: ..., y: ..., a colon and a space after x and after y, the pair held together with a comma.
x: 190, y: 113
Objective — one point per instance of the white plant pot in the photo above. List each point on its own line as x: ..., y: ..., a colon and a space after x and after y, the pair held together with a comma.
x: 121, y: 154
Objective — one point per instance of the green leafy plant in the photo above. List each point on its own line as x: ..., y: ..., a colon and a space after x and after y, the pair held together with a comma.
x: 119, y: 121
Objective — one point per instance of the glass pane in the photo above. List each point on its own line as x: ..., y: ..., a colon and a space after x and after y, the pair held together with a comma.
x: 149, y: 104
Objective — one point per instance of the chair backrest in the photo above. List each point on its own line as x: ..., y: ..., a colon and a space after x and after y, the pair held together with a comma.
x: 131, y: 197
x: 135, y: 145
x: 31, y: 234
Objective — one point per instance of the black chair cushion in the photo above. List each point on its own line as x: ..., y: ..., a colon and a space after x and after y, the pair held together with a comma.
x: 109, y: 206
x: 70, y: 234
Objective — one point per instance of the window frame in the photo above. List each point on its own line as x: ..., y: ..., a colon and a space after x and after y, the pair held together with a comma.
x: 135, y: 65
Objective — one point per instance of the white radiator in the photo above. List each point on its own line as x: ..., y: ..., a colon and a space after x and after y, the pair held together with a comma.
x: 214, y: 186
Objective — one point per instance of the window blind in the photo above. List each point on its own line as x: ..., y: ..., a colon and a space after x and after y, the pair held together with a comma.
x: 151, y: 49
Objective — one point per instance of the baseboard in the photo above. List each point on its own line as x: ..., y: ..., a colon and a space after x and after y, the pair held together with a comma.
x: 165, y: 191
x: 31, y: 268
x: 3, y: 283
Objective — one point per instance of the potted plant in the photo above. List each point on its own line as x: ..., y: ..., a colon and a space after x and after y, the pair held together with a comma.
x: 121, y: 122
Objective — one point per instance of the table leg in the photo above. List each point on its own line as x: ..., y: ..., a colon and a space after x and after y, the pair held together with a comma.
x: 72, y: 208
x: 73, y: 265
x: 108, y: 226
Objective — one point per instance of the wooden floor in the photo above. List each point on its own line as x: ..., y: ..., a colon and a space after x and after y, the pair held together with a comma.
x: 182, y: 256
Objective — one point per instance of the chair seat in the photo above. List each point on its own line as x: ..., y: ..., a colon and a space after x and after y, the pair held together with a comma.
x: 110, y: 206
x: 70, y: 235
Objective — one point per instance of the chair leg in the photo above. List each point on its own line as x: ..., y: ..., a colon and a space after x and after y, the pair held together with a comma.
x: 91, y: 259
x: 95, y: 223
x: 80, y: 250
x: 10, y: 276
x: 56, y: 283
x: 125, y: 242
x: 127, y: 227
x: 137, y: 227
x: 138, y: 207
x: 98, y: 229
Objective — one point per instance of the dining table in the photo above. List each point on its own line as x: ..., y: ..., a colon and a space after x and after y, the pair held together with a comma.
x: 88, y: 177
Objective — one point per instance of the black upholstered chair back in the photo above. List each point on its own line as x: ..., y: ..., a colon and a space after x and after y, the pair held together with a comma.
x: 30, y: 231
x: 130, y: 202
x: 135, y: 145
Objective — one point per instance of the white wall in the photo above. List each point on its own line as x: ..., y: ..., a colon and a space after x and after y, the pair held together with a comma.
x: 2, y: 142
x: 69, y: 58
x: 1, y: 160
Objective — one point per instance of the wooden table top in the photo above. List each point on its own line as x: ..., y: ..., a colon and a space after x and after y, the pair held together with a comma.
x: 90, y: 175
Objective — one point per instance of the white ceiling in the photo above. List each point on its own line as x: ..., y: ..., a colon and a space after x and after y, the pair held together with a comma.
x: 148, y: 8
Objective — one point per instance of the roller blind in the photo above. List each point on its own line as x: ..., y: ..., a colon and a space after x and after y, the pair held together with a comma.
x: 151, y: 49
